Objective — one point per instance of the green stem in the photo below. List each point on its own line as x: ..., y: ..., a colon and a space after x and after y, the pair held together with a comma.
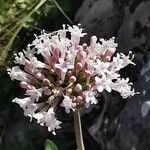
x: 78, y: 130
x: 61, y: 10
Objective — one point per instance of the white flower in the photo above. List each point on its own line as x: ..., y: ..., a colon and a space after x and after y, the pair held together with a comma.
x: 20, y: 59
x: 17, y: 74
x: 48, y: 118
x: 108, y: 44
x: 123, y: 87
x: 43, y: 46
x: 117, y: 62
x: 38, y: 64
x: 102, y: 67
x: 95, y: 50
x: 35, y: 93
x: 121, y: 61
x: 29, y: 52
x: 113, y: 75
x: 90, y: 97
x: 68, y: 104
x: 63, y: 66
x: 126, y: 59
x: 103, y: 83
x: 28, y: 106
x: 29, y: 110
x: 76, y: 33
x: 62, y: 32
x: 40, y: 117
x: 51, y: 122
x: 24, y: 102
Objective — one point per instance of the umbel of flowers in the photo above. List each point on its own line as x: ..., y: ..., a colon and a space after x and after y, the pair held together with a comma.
x: 58, y: 70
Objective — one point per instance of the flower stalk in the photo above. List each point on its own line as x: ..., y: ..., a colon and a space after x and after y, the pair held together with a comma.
x: 78, y: 130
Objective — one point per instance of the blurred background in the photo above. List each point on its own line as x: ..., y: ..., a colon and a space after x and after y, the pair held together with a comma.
x: 113, y: 124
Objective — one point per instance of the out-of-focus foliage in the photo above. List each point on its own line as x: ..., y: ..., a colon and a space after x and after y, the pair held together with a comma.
x: 18, y: 14
x: 50, y: 145
x: 15, y: 14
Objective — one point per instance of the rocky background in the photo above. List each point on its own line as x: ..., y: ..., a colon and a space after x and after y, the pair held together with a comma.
x: 113, y: 124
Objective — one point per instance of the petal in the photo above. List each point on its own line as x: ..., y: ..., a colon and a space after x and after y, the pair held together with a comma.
x: 100, y: 88
x: 108, y: 88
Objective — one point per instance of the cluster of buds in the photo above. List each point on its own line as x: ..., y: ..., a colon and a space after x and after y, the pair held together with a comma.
x: 57, y: 70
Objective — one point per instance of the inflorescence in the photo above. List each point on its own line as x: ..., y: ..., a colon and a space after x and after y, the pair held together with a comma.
x: 68, y: 73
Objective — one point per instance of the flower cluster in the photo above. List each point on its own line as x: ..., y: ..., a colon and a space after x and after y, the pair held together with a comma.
x: 57, y: 70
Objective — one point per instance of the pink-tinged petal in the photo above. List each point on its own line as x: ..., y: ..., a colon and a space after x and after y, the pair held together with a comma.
x: 72, y: 79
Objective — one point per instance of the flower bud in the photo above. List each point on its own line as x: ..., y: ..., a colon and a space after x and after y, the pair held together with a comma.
x: 93, y: 41
x: 23, y: 84
x: 69, y: 91
x: 73, y: 99
x: 47, y: 91
x: 80, y: 100
x: 87, y: 73
x: 46, y: 82
x: 69, y: 73
x: 53, y: 46
x: 79, y: 66
x: 81, y: 57
x: 72, y: 79
x: 108, y: 54
x: 59, y: 82
x: 78, y: 88
x: 52, y: 71
x: 39, y: 76
x: 80, y: 48
x: 84, y: 46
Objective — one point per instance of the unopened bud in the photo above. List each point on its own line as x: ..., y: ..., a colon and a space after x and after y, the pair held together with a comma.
x: 69, y: 73
x: 84, y: 45
x: 46, y: 82
x: 59, y: 82
x: 73, y: 99
x: 72, y: 79
x: 39, y: 76
x: 52, y: 71
x: 93, y: 41
x: 108, y: 54
x: 80, y: 48
x: 79, y: 98
x: 47, y: 91
x: 87, y: 73
x: 79, y: 66
x: 23, y: 84
x: 78, y: 88
x: 82, y: 55
x: 53, y: 46
x: 69, y: 91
